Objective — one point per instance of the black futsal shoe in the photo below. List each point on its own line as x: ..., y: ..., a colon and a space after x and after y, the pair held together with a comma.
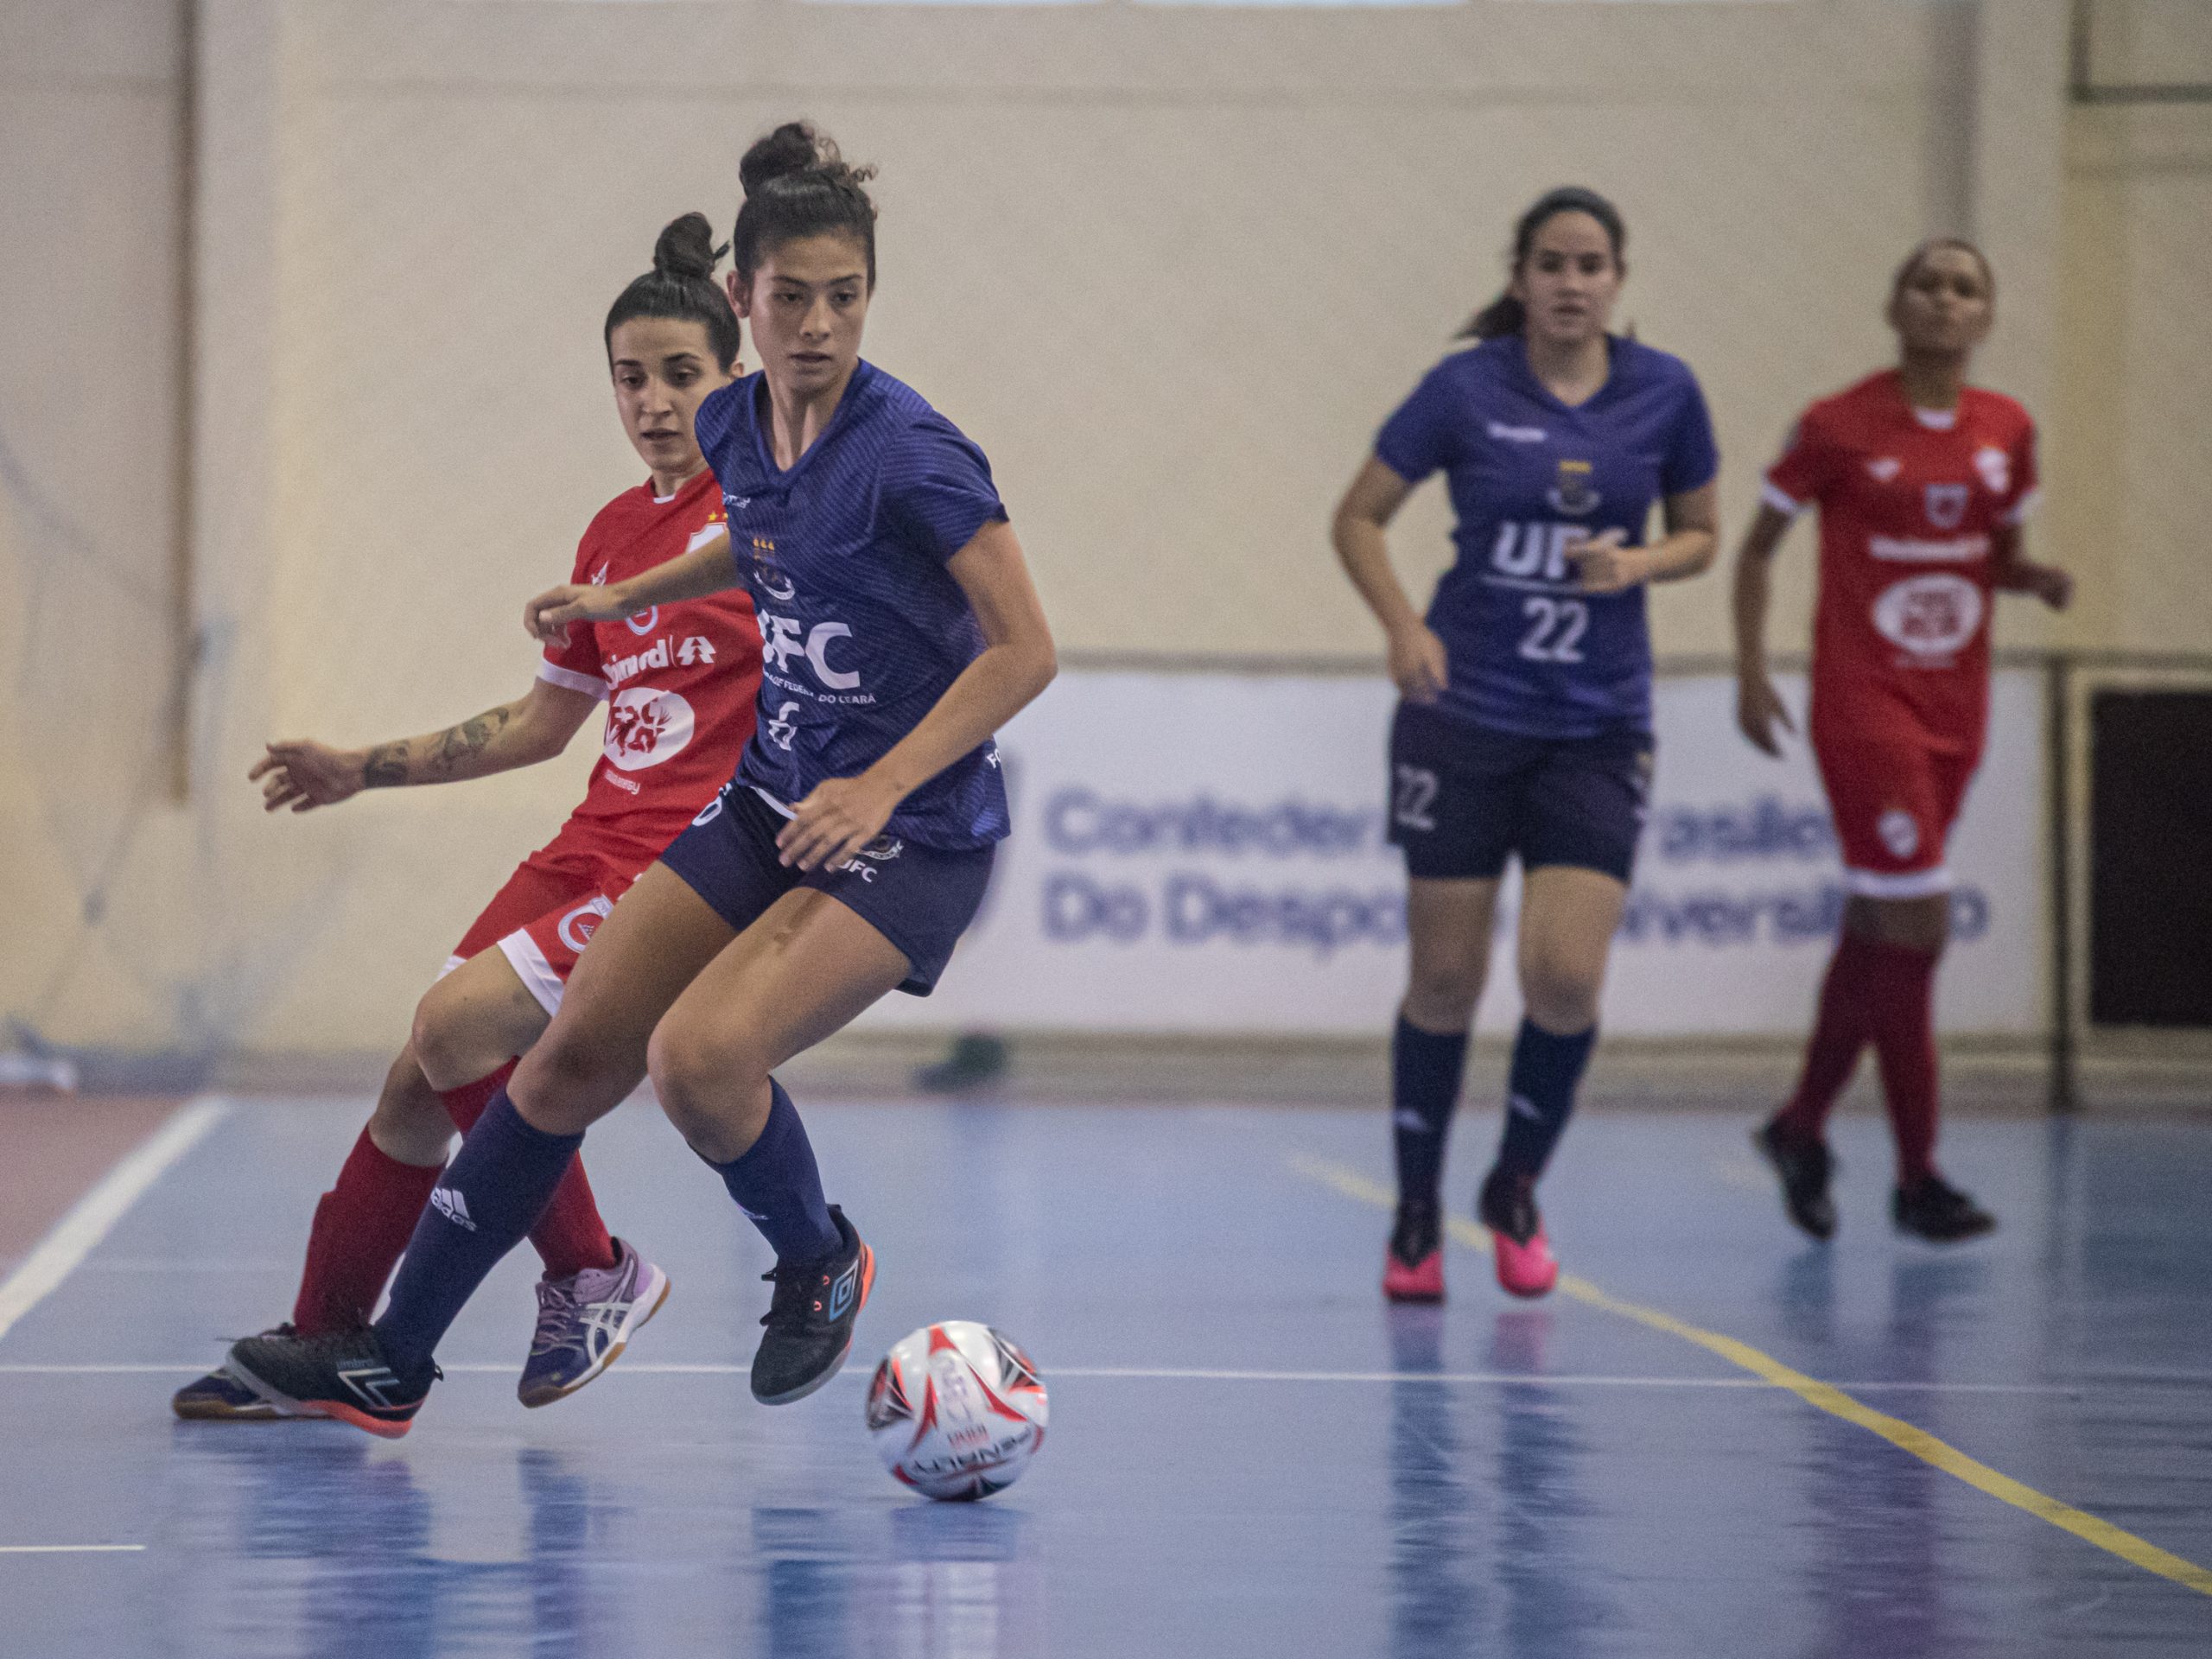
x: 1805, y: 1167
x: 1935, y: 1210
x: 342, y: 1374
x: 218, y: 1397
x: 809, y: 1317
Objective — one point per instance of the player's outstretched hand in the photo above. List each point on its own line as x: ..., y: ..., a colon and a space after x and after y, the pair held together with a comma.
x: 1418, y: 665
x: 304, y: 774
x: 838, y: 819
x: 547, y: 617
x: 2051, y: 585
x: 1759, y: 708
x: 1607, y: 567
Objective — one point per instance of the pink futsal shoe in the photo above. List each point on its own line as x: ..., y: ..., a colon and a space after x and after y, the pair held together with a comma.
x: 1412, y: 1267
x: 1526, y: 1266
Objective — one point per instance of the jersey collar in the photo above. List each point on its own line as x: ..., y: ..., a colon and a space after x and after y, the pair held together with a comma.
x: 859, y: 389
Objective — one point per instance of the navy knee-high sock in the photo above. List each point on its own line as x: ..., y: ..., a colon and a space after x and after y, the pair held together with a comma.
x: 1426, y: 1069
x: 776, y: 1184
x: 491, y: 1196
x: 1540, y: 1094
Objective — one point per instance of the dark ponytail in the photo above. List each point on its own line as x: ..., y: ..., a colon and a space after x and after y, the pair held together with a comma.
x: 797, y: 185
x: 1507, y: 315
x: 681, y: 287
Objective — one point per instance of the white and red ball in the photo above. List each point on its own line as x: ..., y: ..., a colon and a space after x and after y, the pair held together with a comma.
x: 956, y: 1410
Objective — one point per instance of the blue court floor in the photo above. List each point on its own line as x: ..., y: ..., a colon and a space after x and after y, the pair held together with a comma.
x: 1250, y: 1454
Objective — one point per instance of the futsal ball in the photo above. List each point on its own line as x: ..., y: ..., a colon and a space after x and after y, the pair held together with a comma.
x: 956, y: 1410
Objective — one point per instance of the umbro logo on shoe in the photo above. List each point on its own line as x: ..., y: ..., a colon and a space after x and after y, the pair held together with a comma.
x: 450, y: 1205
x: 841, y: 1292
x: 373, y: 1384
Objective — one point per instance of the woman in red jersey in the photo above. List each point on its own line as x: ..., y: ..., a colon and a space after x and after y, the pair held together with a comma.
x: 1923, y: 483
x: 679, y: 681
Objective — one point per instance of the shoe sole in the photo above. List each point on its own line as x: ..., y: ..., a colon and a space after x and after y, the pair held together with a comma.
x: 867, y: 1283
x: 336, y: 1411
x: 545, y: 1395
x: 216, y: 1411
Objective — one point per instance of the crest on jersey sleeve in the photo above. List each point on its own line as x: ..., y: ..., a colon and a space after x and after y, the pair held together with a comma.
x: 1946, y: 505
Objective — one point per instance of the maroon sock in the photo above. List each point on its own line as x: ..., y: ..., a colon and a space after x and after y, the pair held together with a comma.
x: 570, y: 1235
x: 361, y: 1226
x: 1839, y: 1032
x: 1903, y: 1029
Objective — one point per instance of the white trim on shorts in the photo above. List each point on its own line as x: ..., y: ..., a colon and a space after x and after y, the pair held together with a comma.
x: 536, y: 973
x: 1913, y: 884
x: 779, y: 808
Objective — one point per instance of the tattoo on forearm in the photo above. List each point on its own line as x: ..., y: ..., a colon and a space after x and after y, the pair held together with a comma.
x: 386, y: 766
x: 455, y: 746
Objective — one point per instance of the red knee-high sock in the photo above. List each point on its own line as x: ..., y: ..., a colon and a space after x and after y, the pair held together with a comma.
x: 570, y: 1235
x: 361, y: 1226
x: 1841, y: 1027
x: 1903, y: 1029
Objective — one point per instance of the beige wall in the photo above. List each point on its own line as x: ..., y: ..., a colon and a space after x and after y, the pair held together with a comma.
x: 1169, y: 266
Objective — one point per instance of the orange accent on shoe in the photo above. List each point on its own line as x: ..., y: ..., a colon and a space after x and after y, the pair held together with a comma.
x: 1422, y: 1281
x: 360, y: 1420
x: 1528, y: 1269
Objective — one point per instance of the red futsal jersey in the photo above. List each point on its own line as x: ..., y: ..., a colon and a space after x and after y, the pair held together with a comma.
x: 1910, y: 503
x: 680, y: 679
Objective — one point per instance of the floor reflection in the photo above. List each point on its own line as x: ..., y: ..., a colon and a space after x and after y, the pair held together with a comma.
x: 1436, y: 1604
x: 335, y: 1552
x: 925, y: 1581
x: 1495, y: 1565
x: 1878, y: 1576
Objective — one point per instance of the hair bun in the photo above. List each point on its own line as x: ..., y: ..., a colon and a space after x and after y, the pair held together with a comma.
x: 794, y: 147
x: 686, y: 248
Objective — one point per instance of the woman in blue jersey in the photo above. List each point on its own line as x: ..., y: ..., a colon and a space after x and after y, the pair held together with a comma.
x: 1525, y: 726
x: 899, y: 630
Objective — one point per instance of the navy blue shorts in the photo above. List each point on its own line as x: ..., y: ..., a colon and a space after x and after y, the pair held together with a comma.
x: 1464, y: 798
x: 921, y: 899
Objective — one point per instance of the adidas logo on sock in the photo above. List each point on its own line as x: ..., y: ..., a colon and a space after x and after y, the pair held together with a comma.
x: 1520, y: 1103
x: 450, y: 1205
x: 1411, y: 1121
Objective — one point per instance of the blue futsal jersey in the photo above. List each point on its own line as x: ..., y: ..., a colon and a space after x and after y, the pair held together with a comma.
x: 862, y: 628
x: 1530, y: 653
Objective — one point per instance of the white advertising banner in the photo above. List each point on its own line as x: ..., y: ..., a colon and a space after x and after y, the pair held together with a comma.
x: 1205, y: 852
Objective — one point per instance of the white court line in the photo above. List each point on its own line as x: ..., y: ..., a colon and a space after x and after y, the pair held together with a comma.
x: 1126, y: 1373
x: 70, y: 1549
x: 79, y: 1233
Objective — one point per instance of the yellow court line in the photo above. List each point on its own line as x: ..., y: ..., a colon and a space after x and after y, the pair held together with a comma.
x: 1919, y: 1442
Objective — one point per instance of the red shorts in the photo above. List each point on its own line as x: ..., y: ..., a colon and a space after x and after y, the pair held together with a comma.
x: 1893, y: 804
x: 545, y: 914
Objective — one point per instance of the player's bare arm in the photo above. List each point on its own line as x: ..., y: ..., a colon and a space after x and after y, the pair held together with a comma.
x: 303, y: 774
x: 841, y: 815
x: 1419, y: 664
x: 708, y: 569
x: 1693, y: 521
x: 2012, y: 571
x: 1760, y: 706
